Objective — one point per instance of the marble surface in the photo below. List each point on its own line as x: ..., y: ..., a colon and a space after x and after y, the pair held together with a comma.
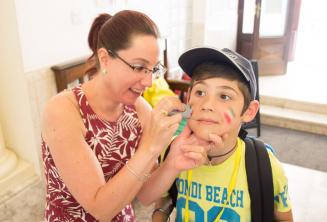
x: 26, y: 206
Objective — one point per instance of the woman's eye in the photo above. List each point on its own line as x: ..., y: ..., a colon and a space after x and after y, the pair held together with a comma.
x: 138, y: 68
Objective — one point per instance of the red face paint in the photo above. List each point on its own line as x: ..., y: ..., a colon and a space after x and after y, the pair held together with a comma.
x: 228, y: 118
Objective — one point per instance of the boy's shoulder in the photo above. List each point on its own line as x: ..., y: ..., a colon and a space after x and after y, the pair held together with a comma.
x: 268, y: 146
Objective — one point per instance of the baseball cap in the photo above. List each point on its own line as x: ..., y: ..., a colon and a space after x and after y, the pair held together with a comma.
x: 190, y: 59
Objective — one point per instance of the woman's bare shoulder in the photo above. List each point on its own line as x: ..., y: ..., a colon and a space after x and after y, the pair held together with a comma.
x: 61, y: 104
x: 61, y: 110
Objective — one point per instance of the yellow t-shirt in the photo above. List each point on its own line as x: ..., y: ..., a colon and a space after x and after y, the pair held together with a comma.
x: 157, y: 91
x: 208, y: 191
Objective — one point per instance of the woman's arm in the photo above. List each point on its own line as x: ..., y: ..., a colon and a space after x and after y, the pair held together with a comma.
x: 283, y: 216
x: 63, y: 131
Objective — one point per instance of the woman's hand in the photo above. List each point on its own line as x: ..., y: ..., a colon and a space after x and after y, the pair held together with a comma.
x: 187, y: 151
x: 160, y: 128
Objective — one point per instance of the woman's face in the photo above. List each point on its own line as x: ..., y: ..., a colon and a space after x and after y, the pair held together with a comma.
x: 216, y: 107
x: 128, y: 84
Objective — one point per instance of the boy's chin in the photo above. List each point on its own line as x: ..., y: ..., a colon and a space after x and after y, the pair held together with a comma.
x: 204, y: 133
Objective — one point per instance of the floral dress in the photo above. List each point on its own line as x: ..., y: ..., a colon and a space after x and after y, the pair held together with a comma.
x: 113, y: 143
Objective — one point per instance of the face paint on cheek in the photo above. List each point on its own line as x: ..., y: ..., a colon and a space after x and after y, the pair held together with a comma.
x: 229, y: 116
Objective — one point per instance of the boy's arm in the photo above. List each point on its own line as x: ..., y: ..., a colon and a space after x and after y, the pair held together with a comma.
x: 184, y: 154
x: 282, y: 204
x: 283, y: 216
x: 162, y: 210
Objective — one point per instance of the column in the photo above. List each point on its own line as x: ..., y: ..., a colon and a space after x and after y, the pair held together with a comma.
x: 8, y: 159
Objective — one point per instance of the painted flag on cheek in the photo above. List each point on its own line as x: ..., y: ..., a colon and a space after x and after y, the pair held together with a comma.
x: 229, y: 116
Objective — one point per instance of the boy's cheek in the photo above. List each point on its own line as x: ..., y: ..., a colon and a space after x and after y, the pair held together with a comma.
x: 203, y: 131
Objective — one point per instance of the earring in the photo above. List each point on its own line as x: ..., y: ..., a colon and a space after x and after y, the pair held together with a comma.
x: 104, y: 72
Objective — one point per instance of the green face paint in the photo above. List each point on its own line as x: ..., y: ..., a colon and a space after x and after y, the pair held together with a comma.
x: 181, y: 126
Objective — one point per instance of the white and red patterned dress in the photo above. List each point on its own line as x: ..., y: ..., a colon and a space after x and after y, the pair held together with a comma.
x: 113, y: 143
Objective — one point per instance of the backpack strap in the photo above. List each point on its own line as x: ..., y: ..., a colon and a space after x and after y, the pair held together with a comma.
x: 260, y: 181
x: 266, y: 179
x: 254, y: 185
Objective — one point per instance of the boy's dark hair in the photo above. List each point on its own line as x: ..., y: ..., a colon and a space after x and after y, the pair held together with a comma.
x: 209, y: 70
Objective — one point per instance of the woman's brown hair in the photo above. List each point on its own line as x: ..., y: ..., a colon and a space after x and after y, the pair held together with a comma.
x: 116, y: 33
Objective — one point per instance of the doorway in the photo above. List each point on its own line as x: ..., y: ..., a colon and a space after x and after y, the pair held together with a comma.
x: 306, y: 77
x: 266, y: 30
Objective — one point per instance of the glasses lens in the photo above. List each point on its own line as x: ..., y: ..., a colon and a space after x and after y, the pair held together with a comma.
x: 159, y: 71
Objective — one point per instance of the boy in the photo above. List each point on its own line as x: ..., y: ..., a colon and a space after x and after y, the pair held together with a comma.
x: 222, y: 97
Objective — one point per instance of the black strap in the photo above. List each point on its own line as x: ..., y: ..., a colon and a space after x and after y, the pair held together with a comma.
x: 260, y: 182
x: 266, y: 180
x: 254, y: 185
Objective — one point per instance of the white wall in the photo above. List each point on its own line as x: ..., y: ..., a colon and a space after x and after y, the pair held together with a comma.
x: 53, y: 31
x: 221, y: 23
x: 56, y: 31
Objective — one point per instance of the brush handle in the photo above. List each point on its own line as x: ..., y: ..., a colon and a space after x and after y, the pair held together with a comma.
x: 186, y: 114
x: 181, y: 126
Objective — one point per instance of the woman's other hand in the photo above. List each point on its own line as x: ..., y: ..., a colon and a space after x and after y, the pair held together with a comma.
x: 187, y: 151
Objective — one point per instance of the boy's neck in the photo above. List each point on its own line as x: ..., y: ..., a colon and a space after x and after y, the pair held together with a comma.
x: 216, y: 159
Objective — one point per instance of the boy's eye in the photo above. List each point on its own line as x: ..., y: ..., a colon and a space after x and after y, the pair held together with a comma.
x: 200, y: 93
x: 225, y: 97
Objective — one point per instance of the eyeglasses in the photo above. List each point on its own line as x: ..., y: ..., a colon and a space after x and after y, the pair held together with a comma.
x: 157, y: 71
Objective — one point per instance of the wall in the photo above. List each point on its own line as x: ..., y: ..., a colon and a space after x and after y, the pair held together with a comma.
x: 15, y: 112
x: 221, y: 23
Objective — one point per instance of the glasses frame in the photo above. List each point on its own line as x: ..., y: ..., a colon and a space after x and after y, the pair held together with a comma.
x: 157, y: 72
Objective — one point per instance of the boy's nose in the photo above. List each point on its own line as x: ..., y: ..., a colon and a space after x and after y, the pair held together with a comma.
x: 208, y: 109
x: 207, y: 105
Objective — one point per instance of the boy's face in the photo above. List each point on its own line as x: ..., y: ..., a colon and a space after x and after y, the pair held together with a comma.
x: 217, y: 105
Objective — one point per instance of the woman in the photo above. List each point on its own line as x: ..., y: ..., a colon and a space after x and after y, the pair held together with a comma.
x: 101, y: 139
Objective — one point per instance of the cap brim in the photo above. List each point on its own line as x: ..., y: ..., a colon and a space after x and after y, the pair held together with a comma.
x: 189, y: 60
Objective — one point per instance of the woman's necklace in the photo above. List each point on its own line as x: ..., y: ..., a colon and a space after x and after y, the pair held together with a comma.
x: 210, y: 157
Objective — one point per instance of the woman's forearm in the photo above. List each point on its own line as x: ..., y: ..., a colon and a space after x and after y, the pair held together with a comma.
x: 159, y: 183
x: 120, y: 190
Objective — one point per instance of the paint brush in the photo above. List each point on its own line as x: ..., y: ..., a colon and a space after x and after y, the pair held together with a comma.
x: 185, y: 114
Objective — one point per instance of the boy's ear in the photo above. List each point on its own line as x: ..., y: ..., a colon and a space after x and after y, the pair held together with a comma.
x: 251, y: 111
